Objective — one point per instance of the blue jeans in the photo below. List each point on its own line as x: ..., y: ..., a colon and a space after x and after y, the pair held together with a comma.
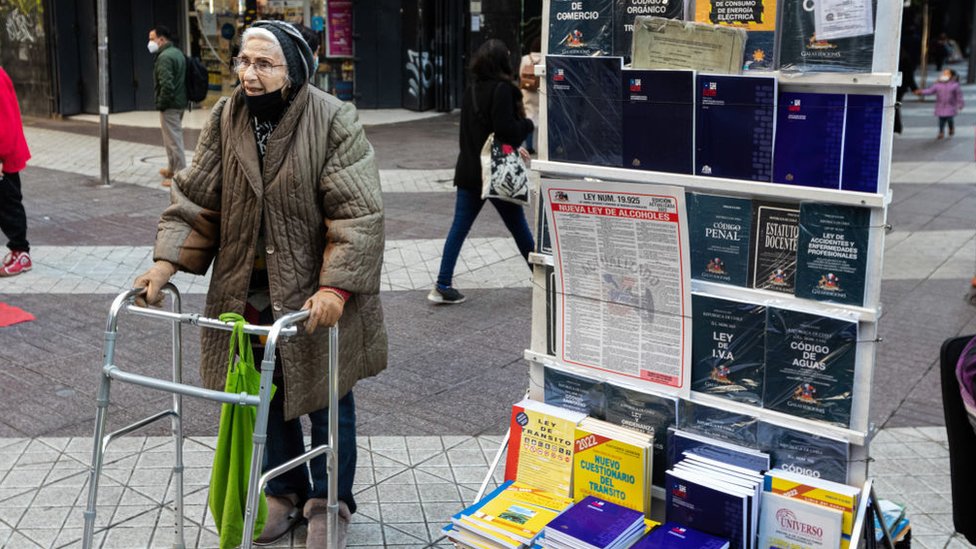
x: 466, y: 209
x: 285, y: 442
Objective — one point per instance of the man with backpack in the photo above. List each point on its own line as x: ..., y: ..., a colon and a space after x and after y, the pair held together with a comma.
x: 169, y: 80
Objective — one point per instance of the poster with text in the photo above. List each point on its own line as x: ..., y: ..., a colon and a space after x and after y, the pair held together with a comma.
x: 622, y: 272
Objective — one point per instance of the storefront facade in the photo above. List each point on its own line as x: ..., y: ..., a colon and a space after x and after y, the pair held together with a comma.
x: 378, y: 53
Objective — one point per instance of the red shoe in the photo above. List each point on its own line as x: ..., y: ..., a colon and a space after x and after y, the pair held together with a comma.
x: 15, y: 262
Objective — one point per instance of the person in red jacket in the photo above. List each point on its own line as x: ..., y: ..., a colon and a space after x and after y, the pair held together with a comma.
x: 13, y: 157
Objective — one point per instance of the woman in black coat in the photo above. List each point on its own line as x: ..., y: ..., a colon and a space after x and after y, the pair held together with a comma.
x: 491, y: 104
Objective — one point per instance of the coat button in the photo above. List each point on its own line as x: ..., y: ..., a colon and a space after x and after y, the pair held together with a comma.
x: 277, y: 305
x: 269, y: 250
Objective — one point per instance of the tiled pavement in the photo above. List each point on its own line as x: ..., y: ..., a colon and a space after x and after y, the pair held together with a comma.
x: 430, y: 423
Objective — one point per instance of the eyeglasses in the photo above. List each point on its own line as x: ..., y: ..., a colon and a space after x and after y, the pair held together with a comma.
x: 261, y: 67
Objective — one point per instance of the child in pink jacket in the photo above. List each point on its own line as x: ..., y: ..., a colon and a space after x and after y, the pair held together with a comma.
x: 948, y: 100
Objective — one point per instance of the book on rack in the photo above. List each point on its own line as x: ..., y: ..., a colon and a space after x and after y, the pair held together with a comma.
x: 862, y: 143
x: 672, y: 535
x: 718, y: 423
x: 594, y: 523
x: 805, y: 453
x: 684, y: 443
x: 625, y: 11
x: 575, y: 393
x: 662, y: 43
x: 720, y: 229
x: 515, y: 514
x: 757, y: 17
x: 709, y: 503
x: 648, y: 413
x: 775, y: 237
x: 831, y: 258
x: 543, y: 242
x: 584, y: 113
x: 810, y: 365
x: 789, y: 522
x: 613, y: 463
x: 895, y: 521
x: 580, y: 27
x: 728, y: 348
x: 821, y: 492
x: 716, y: 471
x: 734, y: 119
x: 540, y: 452
x: 800, y: 49
x: 809, y: 139
x: 658, y: 120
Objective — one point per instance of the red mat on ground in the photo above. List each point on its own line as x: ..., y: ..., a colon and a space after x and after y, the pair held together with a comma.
x: 10, y: 315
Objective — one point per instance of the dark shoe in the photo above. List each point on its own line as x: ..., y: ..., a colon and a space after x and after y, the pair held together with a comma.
x: 445, y: 295
x: 952, y: 131
x: 317, y: 515
x: 283, y: 515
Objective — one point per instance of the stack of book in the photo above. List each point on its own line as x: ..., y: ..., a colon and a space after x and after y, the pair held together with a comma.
x: 510, y: 517
x: 895, y: 520
x: 594, y: 524
x: 714, y: 497
x: 801, y: 510
x: 613, y: 463
x: 672, y: 535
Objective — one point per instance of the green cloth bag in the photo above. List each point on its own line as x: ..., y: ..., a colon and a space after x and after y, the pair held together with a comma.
x: 232, y: 459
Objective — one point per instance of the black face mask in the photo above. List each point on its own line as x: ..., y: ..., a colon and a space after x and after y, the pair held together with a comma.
x: 266, y: 107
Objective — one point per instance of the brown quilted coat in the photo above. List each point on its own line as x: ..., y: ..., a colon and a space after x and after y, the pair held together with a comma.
x: 319, y: 197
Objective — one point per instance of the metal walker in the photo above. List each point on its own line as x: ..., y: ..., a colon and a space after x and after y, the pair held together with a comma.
x: 283, y: 327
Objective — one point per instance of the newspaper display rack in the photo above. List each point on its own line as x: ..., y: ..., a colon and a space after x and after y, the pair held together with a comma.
x: 881, y: 81
x: 286, y: 326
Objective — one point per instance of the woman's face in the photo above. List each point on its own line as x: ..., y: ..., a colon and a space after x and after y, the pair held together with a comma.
x: 259, y: 51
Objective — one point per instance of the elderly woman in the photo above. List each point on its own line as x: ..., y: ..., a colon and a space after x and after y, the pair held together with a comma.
x: 283, y: 201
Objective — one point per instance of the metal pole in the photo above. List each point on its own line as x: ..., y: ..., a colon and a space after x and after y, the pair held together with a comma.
x: 925, y: 46
x: 103, y: 86
x: 971, y: 73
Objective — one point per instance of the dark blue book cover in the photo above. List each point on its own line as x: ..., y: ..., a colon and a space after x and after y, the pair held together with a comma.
x: 759, y: 51
x: 727, y: 348
x: 658, y: 120
x: 831, y: 256
x: 809, y: 139
x: 775, y: 237
x: 805, y: 453
x: 862, y: 143
x: 647, y: 413
x: 810, y: 365
x: 584, y: 109
x: 720, y: 227
x: 799, y: 49
x: 717, y: 423
x: 672, y: 535
x: 681, y: 442
x: 596, y: 522
x: 625, y: 11
x: 713, y: 511
x: 575, y: 393
x: 735, y: 118
x: 580, y: 27
x: 543, y: 242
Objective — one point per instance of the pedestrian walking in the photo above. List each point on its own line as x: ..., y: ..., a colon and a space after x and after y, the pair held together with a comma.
x: 169, y: 81
x: 529, y: 84
x: 948, y: 100
x: 491, y: 104
x: 14, y: 155
x: 283, y: 201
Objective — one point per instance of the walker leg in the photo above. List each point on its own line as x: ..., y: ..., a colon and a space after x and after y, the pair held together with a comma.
x: 177, y: 428
x: 98, y: 455
x: 254, y: 486
x: 333, y: 462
